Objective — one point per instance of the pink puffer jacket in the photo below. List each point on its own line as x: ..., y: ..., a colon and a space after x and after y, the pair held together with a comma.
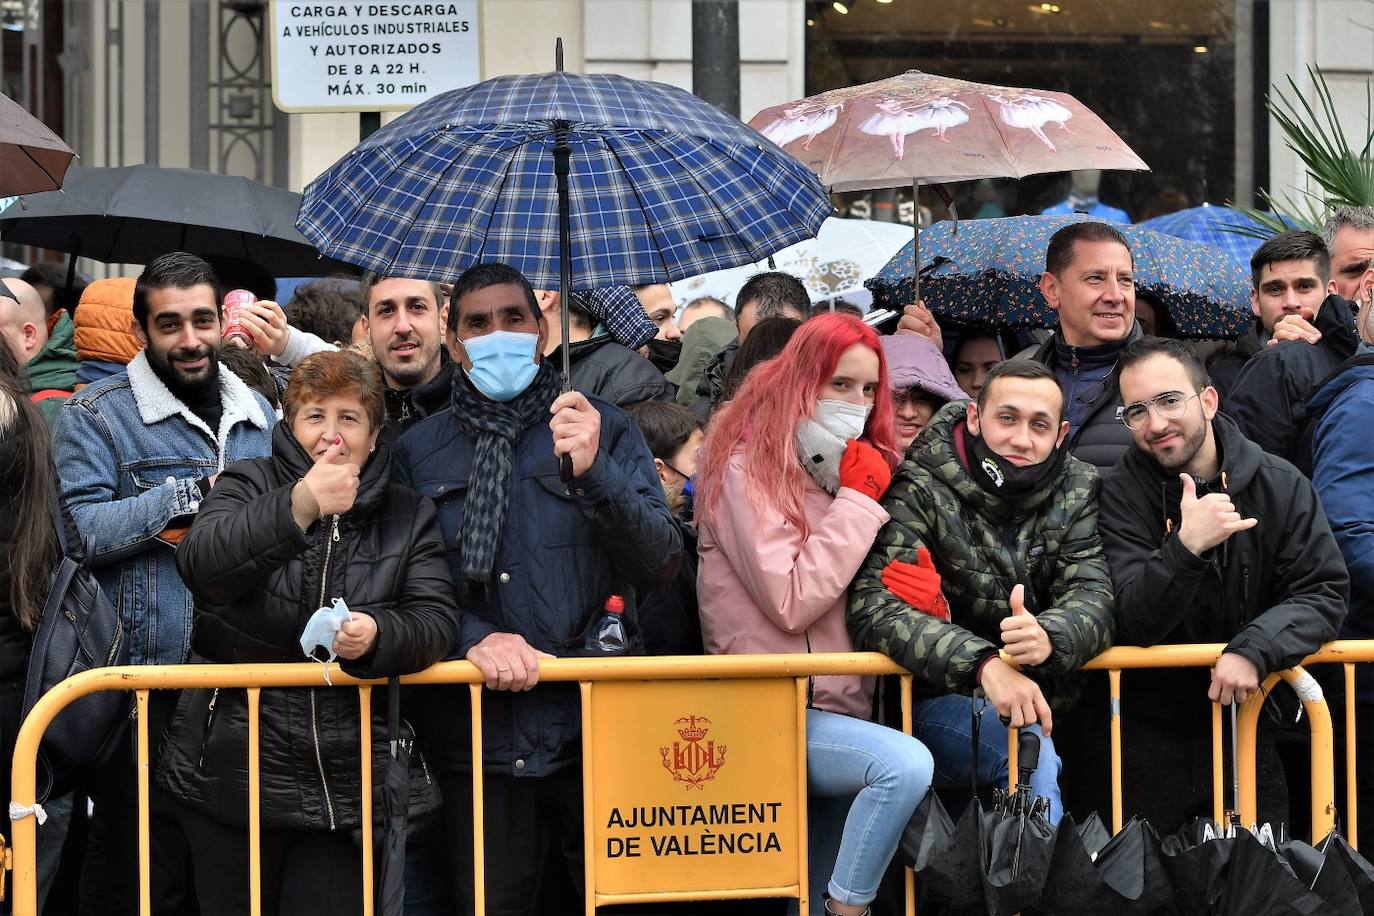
x: 763, y: 589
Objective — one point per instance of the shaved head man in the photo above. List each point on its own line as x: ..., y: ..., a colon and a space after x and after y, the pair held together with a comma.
x: 23, y: 321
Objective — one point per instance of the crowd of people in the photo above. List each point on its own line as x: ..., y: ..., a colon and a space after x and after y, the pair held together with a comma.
x: 988, y: 510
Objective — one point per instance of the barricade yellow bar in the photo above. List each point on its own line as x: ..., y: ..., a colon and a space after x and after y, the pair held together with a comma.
x: 479, y: 848
x: 1218, y: 766
x: 908, y: 874
x: 588, y: 860
x: 803, y: 839
x: 1352, y: 809
x: 1319, y: 722
x: 254, y: 803
x: 1114, y: 692
x: 145, y: 884
x: 365, y: 717
x: 174, y: 677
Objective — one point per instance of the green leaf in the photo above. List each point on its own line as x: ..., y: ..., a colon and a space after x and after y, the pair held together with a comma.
x: 1340, y: 175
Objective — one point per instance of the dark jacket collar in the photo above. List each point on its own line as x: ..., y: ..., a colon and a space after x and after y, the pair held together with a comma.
x: 422, y: 400
x: 1052, y: 350
x: 1240, y: 461
x: 938, y: 451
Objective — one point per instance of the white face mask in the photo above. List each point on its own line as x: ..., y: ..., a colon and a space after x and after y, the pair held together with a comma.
x: 841, y: 419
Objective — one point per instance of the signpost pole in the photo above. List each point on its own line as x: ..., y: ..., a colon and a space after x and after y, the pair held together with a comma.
x: 368, y: 122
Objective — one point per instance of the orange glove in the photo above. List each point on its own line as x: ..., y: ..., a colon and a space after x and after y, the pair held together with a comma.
x: 918, y: 584
x: 862, y: 468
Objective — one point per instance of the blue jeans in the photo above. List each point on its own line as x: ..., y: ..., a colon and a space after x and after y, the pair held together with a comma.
x: 886, y: 772
x: 945, y: 725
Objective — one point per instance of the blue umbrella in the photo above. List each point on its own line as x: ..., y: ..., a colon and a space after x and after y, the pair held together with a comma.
x: 661, y: 186
x: 1210, y: 225
x: 986, y: 272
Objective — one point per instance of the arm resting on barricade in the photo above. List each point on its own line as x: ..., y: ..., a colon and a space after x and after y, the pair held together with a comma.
x: 1309, y: 571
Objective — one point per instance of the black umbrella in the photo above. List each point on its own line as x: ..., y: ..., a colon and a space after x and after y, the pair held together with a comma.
x: 131, y: 215
x: 1323, y: 871
x: 1356, y: 866
x: 1228, y: 871
x: 992, y: 861
x: 1124, y: 875
x: 32, y: 157
x: 391, y: 889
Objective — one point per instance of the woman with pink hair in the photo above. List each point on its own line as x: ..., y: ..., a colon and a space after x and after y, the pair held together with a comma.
x: 789, y: 483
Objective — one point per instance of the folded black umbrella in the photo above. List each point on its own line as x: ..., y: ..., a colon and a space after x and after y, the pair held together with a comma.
x: 1358, y: 867
x: 1016, y: 860
x: 1323, y: 871
x: 1229, y: 872
x: 993, y: 860
x: 1125, y: 875
x: 946, y: 857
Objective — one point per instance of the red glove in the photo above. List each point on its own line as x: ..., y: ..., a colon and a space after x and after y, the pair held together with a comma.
x: 918, y: 584
x: 862, y: 468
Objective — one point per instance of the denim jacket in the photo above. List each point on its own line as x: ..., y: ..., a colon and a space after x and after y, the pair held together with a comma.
x: 130, y: 455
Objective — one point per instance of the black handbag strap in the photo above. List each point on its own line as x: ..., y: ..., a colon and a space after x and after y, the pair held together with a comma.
x: 59, y: 526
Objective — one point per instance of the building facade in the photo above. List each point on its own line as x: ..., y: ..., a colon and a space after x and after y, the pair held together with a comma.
x: 188, y: 82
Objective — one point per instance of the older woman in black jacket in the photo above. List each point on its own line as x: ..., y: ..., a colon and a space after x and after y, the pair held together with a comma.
x: 278, y: 538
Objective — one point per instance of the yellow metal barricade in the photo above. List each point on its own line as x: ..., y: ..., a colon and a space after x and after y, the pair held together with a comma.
x: 682, y: 761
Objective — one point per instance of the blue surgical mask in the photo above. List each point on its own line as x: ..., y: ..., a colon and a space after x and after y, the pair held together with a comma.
x: 321, y: 629
x: 502, y: 363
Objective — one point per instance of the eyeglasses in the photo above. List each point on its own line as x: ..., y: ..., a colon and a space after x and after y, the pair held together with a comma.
x: 1171, y: 405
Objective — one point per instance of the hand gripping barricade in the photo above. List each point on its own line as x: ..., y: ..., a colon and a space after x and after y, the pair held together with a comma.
x: 679, y: 769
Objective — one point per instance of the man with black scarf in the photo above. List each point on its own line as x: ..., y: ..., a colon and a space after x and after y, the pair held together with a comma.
x: 535, y: 557
x: 1210, y: 539
x: 137, y: 453
x: 992, y: 545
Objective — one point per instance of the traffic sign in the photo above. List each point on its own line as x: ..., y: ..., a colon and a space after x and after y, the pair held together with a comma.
x: 354, y: 56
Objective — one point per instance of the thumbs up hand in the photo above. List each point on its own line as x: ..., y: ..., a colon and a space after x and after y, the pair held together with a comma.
x: 1208, y: 521
x: 918, y: 584
x: 1022, y: 635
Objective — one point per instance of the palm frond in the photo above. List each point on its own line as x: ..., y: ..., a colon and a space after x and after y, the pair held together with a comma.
x: 1342, y: 176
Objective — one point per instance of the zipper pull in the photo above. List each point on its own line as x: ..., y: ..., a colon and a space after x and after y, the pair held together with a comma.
x: 334, y: 530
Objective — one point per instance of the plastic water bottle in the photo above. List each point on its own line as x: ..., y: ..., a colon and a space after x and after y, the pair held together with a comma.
x: 607, y: 636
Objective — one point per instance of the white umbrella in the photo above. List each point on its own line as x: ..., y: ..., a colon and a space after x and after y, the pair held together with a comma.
x: 833, y: 265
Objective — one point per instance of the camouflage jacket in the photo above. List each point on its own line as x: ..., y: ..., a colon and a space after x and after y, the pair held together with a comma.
x: 983, y: 546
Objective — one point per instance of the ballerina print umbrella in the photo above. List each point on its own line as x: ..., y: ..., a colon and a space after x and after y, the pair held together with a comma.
x: 935, y: 129
x: 920, y: 128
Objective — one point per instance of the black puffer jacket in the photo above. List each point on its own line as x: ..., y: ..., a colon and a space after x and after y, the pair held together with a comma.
x: 407, y: 406
x: 1273, y: 593
x: 1101, y: 439
x: 615, y: 373
x: 1270, y: 397
x: 257, y: 579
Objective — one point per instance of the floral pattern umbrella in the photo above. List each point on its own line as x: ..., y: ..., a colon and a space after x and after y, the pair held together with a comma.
x: 936, y: 129
x: 987, y: 272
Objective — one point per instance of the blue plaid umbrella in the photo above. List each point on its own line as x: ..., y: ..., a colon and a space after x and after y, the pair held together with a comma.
x: 619, y: 309
x: 988, y: 274
x: 1209, y: 225
x: 662, y: 186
